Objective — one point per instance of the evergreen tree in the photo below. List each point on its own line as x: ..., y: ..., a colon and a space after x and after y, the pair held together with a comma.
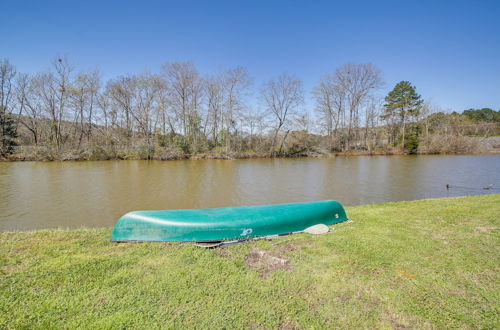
x: 8, y: 133
x: 412, y: 138
x: 8, y: 129
x: 402, y: 103
x: 484, y: 114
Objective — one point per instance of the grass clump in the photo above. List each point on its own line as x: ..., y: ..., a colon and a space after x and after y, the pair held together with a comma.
x: 430, y: 263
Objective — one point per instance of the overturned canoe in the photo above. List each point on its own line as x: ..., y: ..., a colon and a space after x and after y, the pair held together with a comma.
x: 204, y: 225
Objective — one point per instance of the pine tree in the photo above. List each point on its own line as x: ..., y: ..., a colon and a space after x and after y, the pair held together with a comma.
x: 8, y: 133
x: 402, y: 102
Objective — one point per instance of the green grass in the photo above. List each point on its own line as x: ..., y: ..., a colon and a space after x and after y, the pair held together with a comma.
x: 431, y: 263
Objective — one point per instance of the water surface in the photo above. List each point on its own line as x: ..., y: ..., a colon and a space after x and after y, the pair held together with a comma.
x: 35, y: 195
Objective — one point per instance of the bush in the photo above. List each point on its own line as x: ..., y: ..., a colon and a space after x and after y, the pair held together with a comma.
x: 168, y: 154
x: 97, y: 152
x: 446, y: 144
x: 181, y: 143
x: 8, y: 134
x: 145, y: 152
x: 294, y: 149
x: 163, y: 140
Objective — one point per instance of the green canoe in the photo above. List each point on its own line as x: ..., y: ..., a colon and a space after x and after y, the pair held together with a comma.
x: 204, y: 225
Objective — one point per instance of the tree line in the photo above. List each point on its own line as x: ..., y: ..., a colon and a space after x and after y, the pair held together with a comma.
x: 62, y: 113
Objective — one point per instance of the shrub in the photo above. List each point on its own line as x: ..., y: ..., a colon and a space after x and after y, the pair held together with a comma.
x: 181, y: 143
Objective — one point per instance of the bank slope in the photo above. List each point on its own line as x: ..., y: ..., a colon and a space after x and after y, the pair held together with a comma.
x: 420, y: 264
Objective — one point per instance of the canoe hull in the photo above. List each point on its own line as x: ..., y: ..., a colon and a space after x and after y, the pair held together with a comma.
x: 225, y: 223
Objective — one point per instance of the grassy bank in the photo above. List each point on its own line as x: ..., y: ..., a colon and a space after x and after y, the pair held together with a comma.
x: 431, y: 263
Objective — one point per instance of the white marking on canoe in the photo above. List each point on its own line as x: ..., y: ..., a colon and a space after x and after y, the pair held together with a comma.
x: 317, y: 229
x: 246, y: 231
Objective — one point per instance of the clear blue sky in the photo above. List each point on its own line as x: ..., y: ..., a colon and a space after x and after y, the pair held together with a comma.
x: 449, y: 49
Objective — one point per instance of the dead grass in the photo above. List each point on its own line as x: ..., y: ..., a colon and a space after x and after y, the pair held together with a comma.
x: 266, y: 263
x: 486, y: 229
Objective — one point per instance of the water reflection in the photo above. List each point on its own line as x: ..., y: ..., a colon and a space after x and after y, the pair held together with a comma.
x: 37, y: 195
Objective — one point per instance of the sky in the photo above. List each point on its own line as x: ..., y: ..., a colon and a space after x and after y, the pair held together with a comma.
x: 450, y: 50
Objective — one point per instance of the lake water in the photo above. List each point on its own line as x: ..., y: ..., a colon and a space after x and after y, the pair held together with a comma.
x: 35, y: 195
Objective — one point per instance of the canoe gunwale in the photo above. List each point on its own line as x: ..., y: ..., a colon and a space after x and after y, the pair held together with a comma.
x: 253, y: 238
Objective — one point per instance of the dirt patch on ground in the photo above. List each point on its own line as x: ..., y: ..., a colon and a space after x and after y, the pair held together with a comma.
x: 265, y: 263
x: 9, y: 269
x: 403, y: 321
x: 485, y: 229
x: 289, y: 247
x: 440, y: 237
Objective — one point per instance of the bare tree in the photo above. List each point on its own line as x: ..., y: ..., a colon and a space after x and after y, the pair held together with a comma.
x: 7, y: 73
x: 52, y: 90
x: 179, y: 109
x: 329, y: 99
x: 60, y: 89
x: 164, y: 112
x: 424, y: 117
x: 146, y: 93
x: 357, y: 81
x: 84, y: 97
x: 282, y: 98
x: 185, y: 95
x: 214, y: 86
x: 372, y: 114
x: 236, y: 83
x: 30, y: 115
x: 44, y: 89
x: 120, y: 92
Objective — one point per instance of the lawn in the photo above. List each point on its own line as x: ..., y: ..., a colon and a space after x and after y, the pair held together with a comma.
x: 430, y: 263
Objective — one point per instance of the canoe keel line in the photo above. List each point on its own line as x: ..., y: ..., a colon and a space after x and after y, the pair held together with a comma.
x: 228, y: 223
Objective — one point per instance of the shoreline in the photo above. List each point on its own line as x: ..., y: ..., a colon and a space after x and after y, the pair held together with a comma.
x: 237, y: 156
x: 84, y: 228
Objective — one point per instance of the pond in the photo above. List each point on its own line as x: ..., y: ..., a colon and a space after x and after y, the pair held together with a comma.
x: 36, y: 195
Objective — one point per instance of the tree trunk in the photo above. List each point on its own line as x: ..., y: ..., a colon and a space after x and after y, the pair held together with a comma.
x: 404, y: 126
x: 283, y: 141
